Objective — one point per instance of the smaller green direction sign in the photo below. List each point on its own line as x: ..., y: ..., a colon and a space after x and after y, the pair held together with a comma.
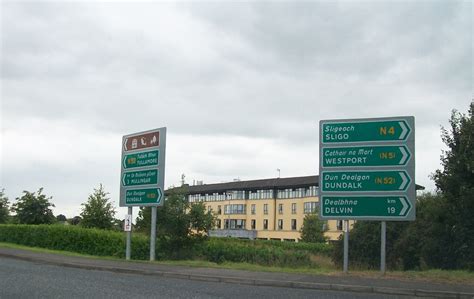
x: 143, y: 196
x: 355, y: 207
x: 138, y: 178
x: 353, y: 181
x: 142, y: 159
x: 363, y: 131
x: 362, y: 156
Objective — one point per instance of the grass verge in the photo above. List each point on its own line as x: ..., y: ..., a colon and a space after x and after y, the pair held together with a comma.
x: 434, y: 275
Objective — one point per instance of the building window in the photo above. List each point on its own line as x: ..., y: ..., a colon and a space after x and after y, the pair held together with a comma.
x: 261, y: 194
x: 293, y: 224
x: 339, y: 225
x: 235, y: 209
x: 240, y: 224
x: 219, y: 210
x: 234, y: 224
x: 252, y: 209
x: 252, y: 224
x: 280, y: 224
x: 280, y: 208
x: 265, y: 209
x: 209, y: 209
x: 218, y: 224
x: 265, y: 223
x: 310, y: 207
x: 293, y: 208
x: 234, y: 195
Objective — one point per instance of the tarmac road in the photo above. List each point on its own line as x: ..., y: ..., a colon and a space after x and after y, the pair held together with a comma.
x: 26, y: 279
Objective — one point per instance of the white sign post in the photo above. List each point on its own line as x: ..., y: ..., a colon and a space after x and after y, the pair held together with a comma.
x: 127, y: 223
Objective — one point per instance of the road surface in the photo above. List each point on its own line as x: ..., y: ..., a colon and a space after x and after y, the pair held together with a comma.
x: 23, y: 279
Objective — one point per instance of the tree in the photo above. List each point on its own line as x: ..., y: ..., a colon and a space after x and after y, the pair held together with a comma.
x: 75, y: 220
x: 313, y: 229
x: 180, y: 225
x: 61, y: 218
x: 456, y: 182
x: 201, y: 221
x: 98, y: 212
x: 4, y: 209
x: 34, y: 208
x: 421, y: 245
x: 364, y: 244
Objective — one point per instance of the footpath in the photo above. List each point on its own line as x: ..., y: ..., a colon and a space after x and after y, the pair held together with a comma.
x: 348, y: 283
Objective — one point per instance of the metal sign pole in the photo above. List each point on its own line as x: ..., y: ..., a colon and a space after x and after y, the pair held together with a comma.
x: 128, y: 249
x: 346, y: 246
x: 153, y: 233
x: 382, y: 247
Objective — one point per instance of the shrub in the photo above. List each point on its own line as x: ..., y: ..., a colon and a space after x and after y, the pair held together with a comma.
x: 255, y: 252
x: 74, y: 239
x: 111, y: 243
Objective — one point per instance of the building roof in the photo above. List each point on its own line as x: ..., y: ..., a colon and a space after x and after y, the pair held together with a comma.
x: 272, y: 183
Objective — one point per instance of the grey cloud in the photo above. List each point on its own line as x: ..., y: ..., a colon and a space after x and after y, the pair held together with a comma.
x: 365, y: 40
x: 277, y: 68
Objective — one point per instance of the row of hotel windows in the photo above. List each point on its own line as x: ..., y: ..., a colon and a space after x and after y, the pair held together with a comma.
x: 240, y: 224
x: 311, y: 191
x: 309, y: 207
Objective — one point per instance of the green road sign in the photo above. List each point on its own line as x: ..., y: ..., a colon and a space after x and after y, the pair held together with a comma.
x: 354, y: 207
x: 138, y: 178
x: 356, y: 181
x: 363, y: 131
x: 142, y: 159
x: 143, y: 196
x: 370, y: 161
x: 361, y: 156
x: 142, y: 174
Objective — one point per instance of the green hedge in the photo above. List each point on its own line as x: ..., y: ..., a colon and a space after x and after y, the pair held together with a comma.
x: 310, y: 248
x: 112, y: 243
x: 283, y: 254
x: 75, y: 239
x: 313, y: 248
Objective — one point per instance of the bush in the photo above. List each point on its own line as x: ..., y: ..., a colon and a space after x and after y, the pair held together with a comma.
x: 364, y: 245
x: 268, y: 253
x: 74, y: 239
x: 110, y: 243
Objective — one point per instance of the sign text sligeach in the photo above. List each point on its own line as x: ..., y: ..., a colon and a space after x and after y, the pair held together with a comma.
x: 365, y: 131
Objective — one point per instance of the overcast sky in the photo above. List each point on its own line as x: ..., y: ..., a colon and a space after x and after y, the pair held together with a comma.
x: 241, y: 86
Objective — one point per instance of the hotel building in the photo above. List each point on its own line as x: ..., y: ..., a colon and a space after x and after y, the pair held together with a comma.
x: 271, y: 209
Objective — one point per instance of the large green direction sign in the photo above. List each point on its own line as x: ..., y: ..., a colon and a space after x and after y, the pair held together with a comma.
x: 367, y: 168
x: 363, y: 131
x: 354, y: 207
x: 361, y: 156
x: 143, y: 168
x: 363, y: 181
